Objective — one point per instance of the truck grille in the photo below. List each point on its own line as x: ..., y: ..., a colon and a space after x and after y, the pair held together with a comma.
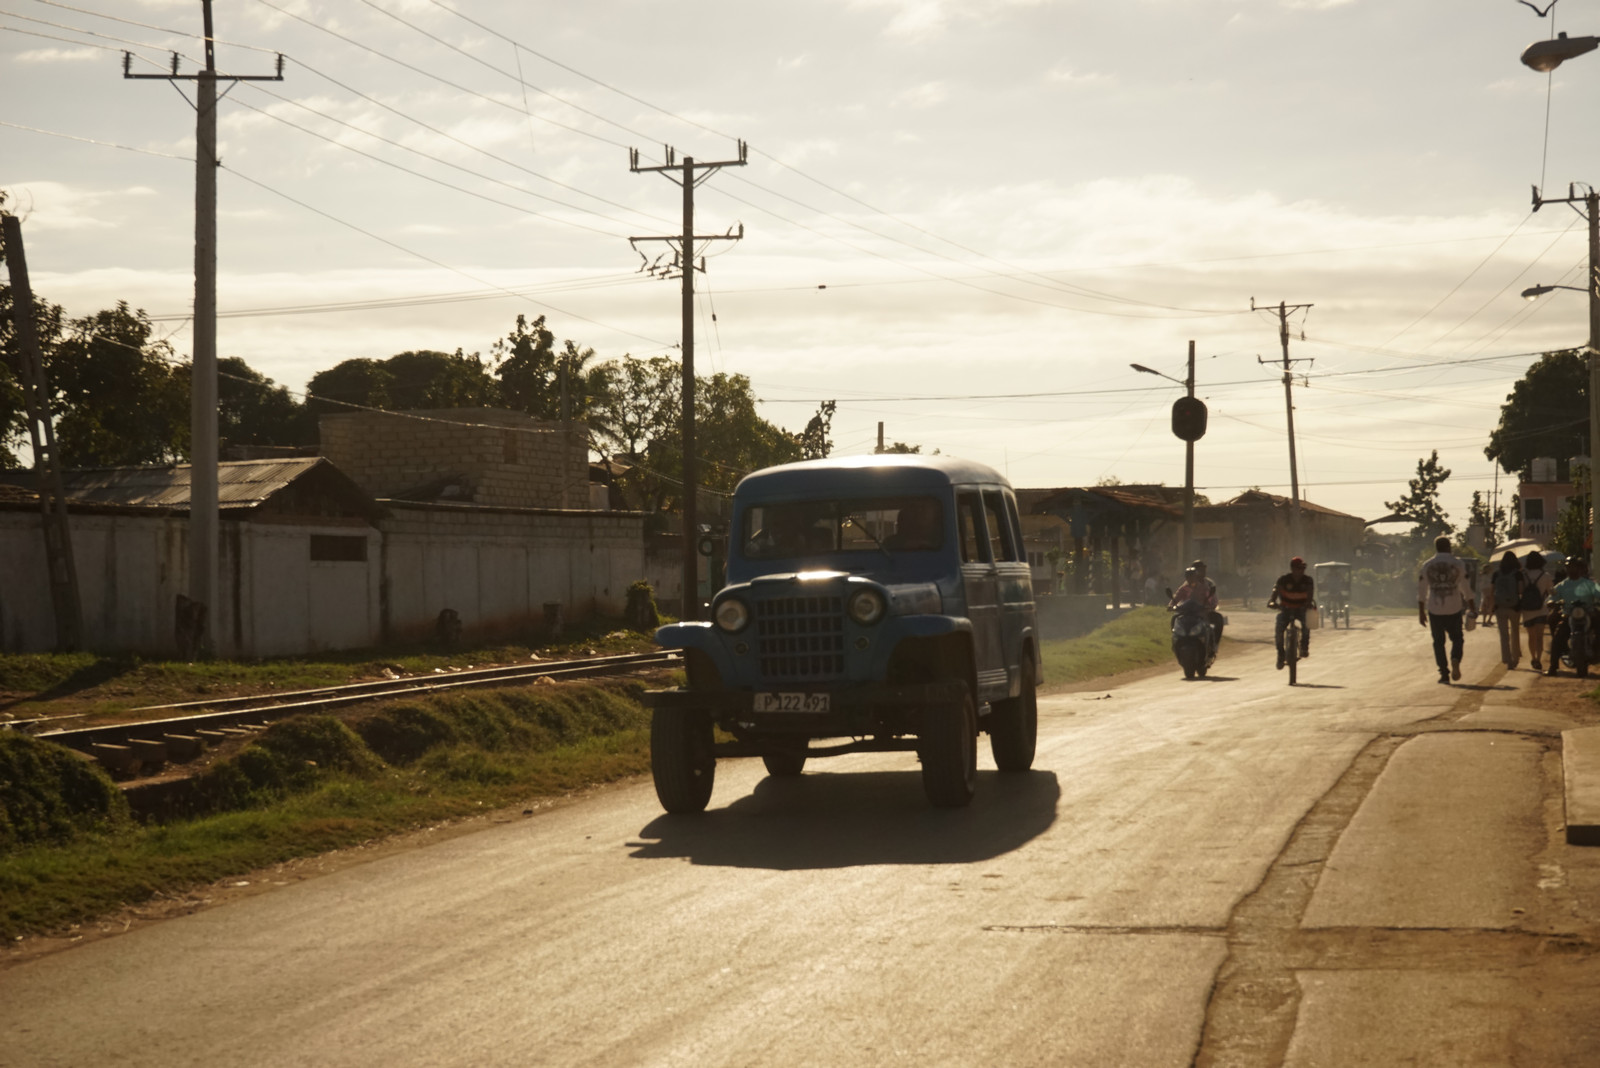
x: 800, y: 638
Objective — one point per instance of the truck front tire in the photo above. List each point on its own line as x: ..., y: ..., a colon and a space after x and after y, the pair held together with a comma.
x: 681, y: 760
x: 948, y: 746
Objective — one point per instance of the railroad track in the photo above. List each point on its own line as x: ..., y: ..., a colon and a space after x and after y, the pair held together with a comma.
x: 127, y: 749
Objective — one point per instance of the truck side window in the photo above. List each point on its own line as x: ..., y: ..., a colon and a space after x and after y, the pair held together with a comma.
x: 1002, y: 542
x: 974, y: 546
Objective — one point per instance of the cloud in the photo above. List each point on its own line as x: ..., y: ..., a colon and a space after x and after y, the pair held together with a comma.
x: 1062, y: 74
x: 58, y: 55
x: 926, y: 95
x: 916, y: 19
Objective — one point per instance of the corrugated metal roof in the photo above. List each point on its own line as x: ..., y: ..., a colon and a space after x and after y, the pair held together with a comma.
x: 240, y: 483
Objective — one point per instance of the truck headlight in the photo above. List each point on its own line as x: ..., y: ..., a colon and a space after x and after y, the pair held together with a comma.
x: 732, y: 615
x: 866, y: 607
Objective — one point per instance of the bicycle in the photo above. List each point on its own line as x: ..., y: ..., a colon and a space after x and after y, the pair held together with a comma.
x: 1291, y: 646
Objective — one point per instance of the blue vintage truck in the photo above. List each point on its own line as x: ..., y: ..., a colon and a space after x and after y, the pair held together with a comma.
x: 873, y: 603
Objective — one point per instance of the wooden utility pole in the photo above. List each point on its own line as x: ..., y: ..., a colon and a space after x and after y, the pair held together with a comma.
x: 1188, y: 478
x: 203, y: 518
x: 1591, y: 212
x: 684, y: 266
x: 1283, y: 310
x: 28, y: 367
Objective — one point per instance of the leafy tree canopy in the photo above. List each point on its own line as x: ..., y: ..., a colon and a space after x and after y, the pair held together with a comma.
x: 1545, y: 414
x: 254, y: 410
x: 423, y: 379
x: 122, y: 399
x: 814, y: 441
x: 1420, y: 505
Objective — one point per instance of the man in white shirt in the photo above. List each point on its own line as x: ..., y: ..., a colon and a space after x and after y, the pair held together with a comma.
x: 1442, y: 596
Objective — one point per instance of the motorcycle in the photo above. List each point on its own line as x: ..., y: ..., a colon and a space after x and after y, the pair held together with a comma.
x: 1193, y: 640
x: 1580, y: 637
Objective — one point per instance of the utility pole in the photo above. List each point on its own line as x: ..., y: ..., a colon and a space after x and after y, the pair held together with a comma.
x: 203, y: 521
x: 1591, y: 211
x: 1188, y: 476
x: 1283, y: 310
x: 684, y: 264
x: 29, y: 370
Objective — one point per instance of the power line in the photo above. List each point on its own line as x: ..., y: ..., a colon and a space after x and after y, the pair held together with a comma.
x: 437, y: 263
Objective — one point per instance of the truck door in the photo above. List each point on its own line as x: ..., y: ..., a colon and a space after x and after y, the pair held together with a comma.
x: 980, y: 582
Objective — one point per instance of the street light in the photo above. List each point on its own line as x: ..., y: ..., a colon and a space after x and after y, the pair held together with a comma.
x: 1546, y: 56
x: 1188, y: 423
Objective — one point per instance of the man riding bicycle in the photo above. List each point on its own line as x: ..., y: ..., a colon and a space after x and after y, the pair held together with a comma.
x: 1291, y: 597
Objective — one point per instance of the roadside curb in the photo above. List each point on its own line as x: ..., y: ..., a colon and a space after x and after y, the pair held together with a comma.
x: 1580, y: 769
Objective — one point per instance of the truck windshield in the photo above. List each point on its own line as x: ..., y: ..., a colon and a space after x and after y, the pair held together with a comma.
x: 859, y: 524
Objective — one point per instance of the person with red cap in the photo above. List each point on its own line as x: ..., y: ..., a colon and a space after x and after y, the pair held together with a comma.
x: 1292, y: 595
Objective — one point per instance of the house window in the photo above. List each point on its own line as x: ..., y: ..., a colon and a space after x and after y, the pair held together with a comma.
x: 1533, y: 508
x: 346, y: 548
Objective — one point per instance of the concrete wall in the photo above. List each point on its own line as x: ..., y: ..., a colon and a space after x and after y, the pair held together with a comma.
x: 508, y: 460
x: 273, y: 599
x: 498, y: 568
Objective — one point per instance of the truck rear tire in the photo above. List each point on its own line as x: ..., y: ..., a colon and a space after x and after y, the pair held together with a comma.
x: 1014, y: 725
x: 784, y: 763
x: 948, y: 746
x: 681, y: 761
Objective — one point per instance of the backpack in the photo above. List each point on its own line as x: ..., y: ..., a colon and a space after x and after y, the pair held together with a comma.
x: 1508, y: 587
x: 1531, y: 599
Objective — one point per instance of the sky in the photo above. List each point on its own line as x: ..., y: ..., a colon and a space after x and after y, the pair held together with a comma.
x: 963, y: 219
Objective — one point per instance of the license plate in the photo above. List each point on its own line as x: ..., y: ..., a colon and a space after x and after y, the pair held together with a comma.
x: 791, y: 702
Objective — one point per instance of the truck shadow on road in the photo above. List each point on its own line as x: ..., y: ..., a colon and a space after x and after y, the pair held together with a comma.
x: 827, y: 820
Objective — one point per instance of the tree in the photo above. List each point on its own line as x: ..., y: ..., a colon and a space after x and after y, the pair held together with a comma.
x: 349, y: 384
x: 1492, y: 520
x: 254, y: 410
x: 13, y: 411
x: 524, y: 362
x: 1545, y: 414
x: 640, y: 401
x: 901, y: 448
x: 122, y: 398
x: 406, y: 381
x: 814, y: 441
x: 639, y: 418
x: 1421, y: 504
x: 1571, y: 535
x: 426, y: 379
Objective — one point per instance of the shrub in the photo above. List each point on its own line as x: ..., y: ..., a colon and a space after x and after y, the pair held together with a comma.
x: 49, y: 793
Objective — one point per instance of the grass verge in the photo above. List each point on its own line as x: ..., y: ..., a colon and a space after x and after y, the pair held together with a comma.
x: 33, y: 684
x: 1136, y: 639
x: 304, y: 787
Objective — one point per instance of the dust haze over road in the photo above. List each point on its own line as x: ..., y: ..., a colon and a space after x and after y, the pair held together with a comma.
x: 1365, y: 868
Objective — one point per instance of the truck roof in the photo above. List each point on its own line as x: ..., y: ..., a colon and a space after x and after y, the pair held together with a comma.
x: 874, y: 472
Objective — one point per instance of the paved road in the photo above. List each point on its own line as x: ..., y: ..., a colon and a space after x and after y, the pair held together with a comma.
x: 1366, y: 869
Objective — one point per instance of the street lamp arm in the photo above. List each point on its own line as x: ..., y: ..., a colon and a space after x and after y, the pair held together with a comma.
x: 1141, y: 368
x: 1535, y: 292
x: 1545, y: 56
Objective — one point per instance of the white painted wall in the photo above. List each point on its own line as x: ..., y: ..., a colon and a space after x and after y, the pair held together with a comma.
x: 497, y: 569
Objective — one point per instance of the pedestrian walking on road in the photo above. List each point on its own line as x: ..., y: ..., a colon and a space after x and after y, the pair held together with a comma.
x: 1537, y: 585
x: 1443, y: 596
x: 1504, y: 593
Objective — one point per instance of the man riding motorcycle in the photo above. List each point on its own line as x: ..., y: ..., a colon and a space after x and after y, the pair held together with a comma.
x: 1291, y: 596
x: 1576, y: 588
